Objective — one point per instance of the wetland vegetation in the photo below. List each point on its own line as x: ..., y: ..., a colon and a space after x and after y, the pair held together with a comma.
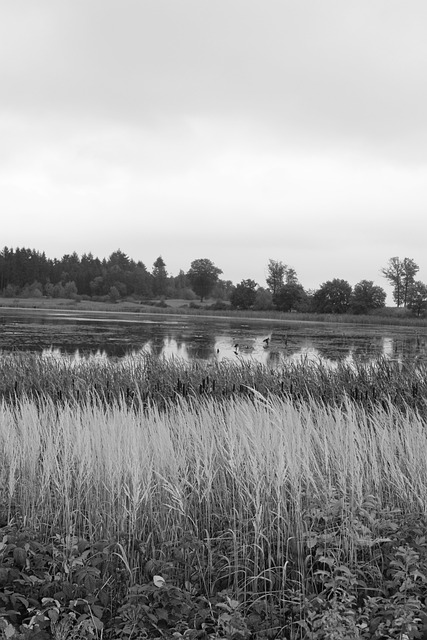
x: 144, y: 497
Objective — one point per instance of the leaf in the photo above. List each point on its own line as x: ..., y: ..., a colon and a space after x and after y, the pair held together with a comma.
x: 98, y: 624
x: 97, y: 610
x: 9, y: 632
x: 344, y: 569
x: 233, y: 604
x: 381, y: 540
x: 159, y: 581
x: 53, y: 615
x: 47, y: 601
x: 326, y: 560
x: 417, y: 574
x: 311, y: 542
x: 162, y: 614
x: 90, y: 583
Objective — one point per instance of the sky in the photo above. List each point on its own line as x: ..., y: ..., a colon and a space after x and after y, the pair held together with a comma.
x: 234, y: 130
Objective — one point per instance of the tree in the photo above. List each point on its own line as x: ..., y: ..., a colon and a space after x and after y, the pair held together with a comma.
x: 410, y: 269
x: 114, y: 294
x: 289, y: 297
x: 203, y: 275
x: 276, y: 274
x: 119, y: 259
x: 90, y: 268
x: 180, y: 281
x: 263, y: 300
x: 160, y: 277
x: 400, y: 274
x: 394, y: 273
x: 97, y: 286
x: 367, y: 297
x: 244, y: 294
x: 417, y: 298
x: 70, y: 290
x: 70, y: 267
x: 222, y: 289
x: 141, y: 281
x: 58, y: 290
x: 332, y: 297
x: 291, y: 276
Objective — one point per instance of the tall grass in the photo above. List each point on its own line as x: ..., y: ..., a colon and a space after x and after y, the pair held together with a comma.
x: 142, y: 379
x: 245, y: 478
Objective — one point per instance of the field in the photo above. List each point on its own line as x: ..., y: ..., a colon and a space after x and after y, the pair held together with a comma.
x: 151, y: 498
x: 387, y: 316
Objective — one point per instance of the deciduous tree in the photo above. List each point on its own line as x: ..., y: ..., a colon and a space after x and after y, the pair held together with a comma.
x: 263, y: 299
x: 366, y: 296
x: 332, y: 297
x: 203, y: 275
x: 244, y: 294
x: 275, y: 275
x: 410, y: 269
x: 417, y: 298
x: 289, y: 297
x: 279, y: 274
x: 400, y: 274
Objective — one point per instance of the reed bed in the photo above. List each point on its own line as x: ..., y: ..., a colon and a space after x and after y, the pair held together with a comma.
x: 296, y: 490
x: 144, y: 379
x: 247, y: 481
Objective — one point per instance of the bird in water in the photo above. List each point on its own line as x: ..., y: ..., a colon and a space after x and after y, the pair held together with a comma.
x: 266, y: 341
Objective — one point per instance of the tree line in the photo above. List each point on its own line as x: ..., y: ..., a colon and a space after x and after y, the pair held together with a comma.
x: 29, y: 273
x: 285, y: 292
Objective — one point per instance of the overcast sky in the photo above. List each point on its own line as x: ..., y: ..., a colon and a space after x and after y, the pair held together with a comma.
x: 236, y: 130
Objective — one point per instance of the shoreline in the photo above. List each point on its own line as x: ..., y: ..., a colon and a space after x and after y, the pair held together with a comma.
x: 182, y: 308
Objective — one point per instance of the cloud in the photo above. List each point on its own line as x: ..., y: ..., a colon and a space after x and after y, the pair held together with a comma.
x: 347, y: 72
x: 234, y: 129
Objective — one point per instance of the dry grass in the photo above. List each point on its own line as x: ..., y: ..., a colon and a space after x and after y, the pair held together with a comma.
x: 242, y: 474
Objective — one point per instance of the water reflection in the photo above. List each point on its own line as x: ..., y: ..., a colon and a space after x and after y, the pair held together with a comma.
x: 270, y: 343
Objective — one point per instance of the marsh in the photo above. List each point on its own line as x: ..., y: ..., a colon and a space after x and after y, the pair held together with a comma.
x: 117, y: 334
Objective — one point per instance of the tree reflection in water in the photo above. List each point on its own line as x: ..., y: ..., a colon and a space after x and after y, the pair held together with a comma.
x: 208, y: 338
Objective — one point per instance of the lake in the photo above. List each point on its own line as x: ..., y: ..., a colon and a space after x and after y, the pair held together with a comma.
x: 111, y: 334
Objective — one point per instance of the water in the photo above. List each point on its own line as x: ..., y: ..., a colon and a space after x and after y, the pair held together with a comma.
x: 111, y: 334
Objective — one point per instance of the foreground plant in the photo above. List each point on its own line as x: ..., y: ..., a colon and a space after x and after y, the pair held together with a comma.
x: 143, y: 380
x: 258, y: 515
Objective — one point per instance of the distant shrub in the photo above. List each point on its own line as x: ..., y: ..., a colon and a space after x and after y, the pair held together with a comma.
x: 218, y: 305
x: 114, y: 294
x: 70, y: 290
x: 186, y: 294
x: 156, y: 303
x: 11, y: 291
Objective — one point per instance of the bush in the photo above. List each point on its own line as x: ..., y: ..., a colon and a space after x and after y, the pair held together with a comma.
x: 218, y: 305
x: 11, y: 291
x: 114, y: 294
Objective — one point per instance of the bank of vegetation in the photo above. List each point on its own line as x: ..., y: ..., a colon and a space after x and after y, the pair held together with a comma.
x: 151, y: 498
x: 144, y: 380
